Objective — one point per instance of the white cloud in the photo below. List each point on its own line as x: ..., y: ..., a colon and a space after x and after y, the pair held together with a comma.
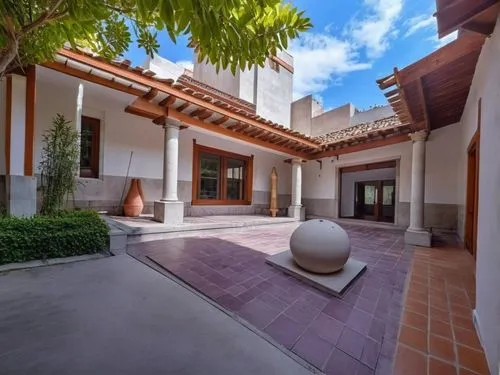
x: 443, y: 41
x: 186, y: 64
x: 428, y: 22
x: 420, y: 22
x: 376, y: 27
x: 320, y: 60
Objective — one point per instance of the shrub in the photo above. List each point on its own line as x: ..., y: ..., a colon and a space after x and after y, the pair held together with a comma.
x: 59, y: 164
x: 61, y: 235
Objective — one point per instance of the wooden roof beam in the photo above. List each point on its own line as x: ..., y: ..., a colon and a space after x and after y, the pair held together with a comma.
x: 460, y: 12
x: 386, y: 82
x: 87, y: 76
x: 141, y: 79
x: 361, y: 146
x: 183, y: 106
x: 451, y: 52
x: 221, y: 120
x: 480, y: 28
x: 168, y: 101
x: 150, y: 95
x: 423, y: 101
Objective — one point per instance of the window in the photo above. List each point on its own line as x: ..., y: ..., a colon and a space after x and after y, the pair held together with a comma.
x: 220, y: 177
x: 274, y: 65
x: 89, y: 147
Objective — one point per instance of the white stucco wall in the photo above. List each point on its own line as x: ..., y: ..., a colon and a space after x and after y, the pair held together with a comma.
x: 122, y: 133
x: 486, y: 85
x: 440, y: 176
x: 224, y: 80
x: 348, y: 183
x: 322, y: 183
x: 441, y: 165
x: 274, y: 94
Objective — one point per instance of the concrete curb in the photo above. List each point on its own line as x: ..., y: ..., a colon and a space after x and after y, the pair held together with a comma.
x: 50, y: 262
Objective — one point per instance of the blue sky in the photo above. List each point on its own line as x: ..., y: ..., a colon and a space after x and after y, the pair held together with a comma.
x: 352, y: 43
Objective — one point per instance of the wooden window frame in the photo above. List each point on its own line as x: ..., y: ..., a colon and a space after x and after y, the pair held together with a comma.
x: 93, y: 171
x: 197, y: 151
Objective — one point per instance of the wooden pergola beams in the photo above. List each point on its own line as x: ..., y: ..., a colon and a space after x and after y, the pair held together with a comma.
x: 431, y: 92
x: 464, y: 45
x: 452, y: 15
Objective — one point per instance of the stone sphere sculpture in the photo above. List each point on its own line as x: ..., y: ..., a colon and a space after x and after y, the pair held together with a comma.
x: 320, y: 246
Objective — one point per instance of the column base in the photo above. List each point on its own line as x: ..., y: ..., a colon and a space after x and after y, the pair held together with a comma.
x: 297, y: 212
x: 417, y: 237
x: 169, y: 212
x: 20, y: 195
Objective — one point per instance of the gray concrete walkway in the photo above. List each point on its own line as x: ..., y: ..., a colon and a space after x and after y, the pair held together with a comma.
x: 117, y: 316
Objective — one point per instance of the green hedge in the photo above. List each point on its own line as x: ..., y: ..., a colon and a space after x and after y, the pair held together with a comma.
x: 42, y: 237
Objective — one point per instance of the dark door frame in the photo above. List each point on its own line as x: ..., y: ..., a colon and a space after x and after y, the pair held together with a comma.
x: 472, y: 197
x: 391, y: 163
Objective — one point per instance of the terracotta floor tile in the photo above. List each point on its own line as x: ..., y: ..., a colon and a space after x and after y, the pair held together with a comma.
x: 464, y: 371
x: 437, y: 367
x: 410, y: 362
x: 439, y: 302
x: 440, y: 328
x: 472, y: 359
x: 417, y: 307
x: 441, y: 348
x: 461, y: 322
x: 415, y: 338
x: 415, y: 320
x: 463, y: 311
x: 467, y: 337
x: 418, y: 296
x: 439, y: 314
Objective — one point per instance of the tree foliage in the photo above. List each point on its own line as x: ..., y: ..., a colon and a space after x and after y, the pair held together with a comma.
x: 234, y: 33
x: 58, y: 165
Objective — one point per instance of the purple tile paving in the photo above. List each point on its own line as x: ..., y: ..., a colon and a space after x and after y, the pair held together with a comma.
x: 355, y: 335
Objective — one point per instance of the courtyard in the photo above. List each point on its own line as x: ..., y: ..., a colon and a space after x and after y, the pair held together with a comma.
x: 211, y: 304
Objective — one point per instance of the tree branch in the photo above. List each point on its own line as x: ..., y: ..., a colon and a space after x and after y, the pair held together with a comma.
x: 40, y: 21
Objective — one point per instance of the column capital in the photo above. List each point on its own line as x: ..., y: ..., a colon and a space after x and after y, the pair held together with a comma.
x: 172, y: 123
x: 419, y: 136
x: 297, y: 161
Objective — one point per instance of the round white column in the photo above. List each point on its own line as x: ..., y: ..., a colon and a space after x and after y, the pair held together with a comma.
x: 417, y: 181
x: 296, y: 182
x: 170, y: 162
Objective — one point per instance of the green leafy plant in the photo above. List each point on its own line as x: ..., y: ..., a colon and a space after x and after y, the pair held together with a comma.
x: 41, y: 237
x: 58, y: 165
x: 235, y: 33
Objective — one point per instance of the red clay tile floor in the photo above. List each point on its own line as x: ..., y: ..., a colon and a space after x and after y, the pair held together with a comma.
x: 437, y: 335
x: 409, y: 313
x: 353, y: 335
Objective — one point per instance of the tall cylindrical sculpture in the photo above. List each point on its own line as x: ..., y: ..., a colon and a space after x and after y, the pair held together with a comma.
x: 274, y: 193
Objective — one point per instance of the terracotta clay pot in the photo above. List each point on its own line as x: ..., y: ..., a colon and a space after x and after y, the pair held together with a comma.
x: 134, y: 202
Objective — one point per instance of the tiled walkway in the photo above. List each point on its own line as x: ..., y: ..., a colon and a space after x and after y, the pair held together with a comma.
x: 437, y: 335
x: 349, y: 336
